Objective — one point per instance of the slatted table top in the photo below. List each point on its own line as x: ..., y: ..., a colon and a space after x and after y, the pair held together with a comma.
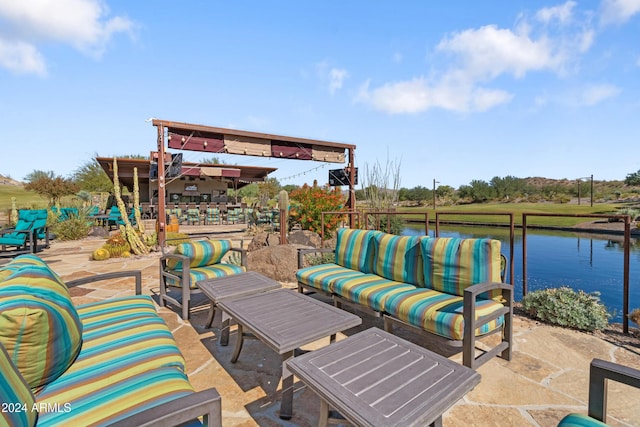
x: 374, y: 378
x: 236, y: 285
x: 284, y: 319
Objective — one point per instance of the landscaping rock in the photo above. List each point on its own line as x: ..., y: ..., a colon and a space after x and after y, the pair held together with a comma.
x: 277, y: 262
x: 263, y: 239
x: 304, y: 238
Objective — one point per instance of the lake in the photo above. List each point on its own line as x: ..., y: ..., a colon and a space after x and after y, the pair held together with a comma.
x: 588, y: 262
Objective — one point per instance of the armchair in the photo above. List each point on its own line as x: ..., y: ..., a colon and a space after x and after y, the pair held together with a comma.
x: 193, y: 261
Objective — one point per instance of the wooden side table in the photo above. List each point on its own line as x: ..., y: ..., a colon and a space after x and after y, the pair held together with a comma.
x: 376, y: 379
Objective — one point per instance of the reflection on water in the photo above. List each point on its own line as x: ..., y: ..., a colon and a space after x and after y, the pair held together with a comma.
x: 588, y: 262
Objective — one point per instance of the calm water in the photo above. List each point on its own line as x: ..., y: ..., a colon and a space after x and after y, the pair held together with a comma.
x: 588, y: 262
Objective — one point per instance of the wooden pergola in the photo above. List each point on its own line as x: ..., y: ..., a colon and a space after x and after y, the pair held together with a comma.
x: 191, y: 137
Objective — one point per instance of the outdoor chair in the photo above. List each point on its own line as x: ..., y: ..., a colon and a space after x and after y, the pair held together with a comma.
x: 20, y: 236
x: 212, y: 216
x: 115, y: 218
x: 600, y: 372
x: 193, y: 216
x: 192, y: 261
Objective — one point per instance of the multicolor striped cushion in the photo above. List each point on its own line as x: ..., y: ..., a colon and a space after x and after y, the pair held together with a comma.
x: 369, y: 290
x: 15, y: 393
x: 398, y: 258
x: 39, y: 325
x: 322, y: 276
x: 354, y: 249
x: 115, y: 348
x: 579, y: 420
x: 200, y: 253
x: 453, y: 264
x: 117, y: 399
x: 439, y: 313
x: 207, y: 272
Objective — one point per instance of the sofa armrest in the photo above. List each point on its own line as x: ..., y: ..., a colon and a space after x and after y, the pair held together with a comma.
x: 243, y: 255
x: 304, y: 251
x: 137, y: 274
x: 601, y: 371
x: 471, y: 323
x: 179, y: 411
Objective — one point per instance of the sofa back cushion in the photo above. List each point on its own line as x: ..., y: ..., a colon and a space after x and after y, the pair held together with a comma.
x: 453, y: 264
x: 15, y: 396
x: 398, y: 258
x: 355, y: 249
x: 200, y: 253
x: 39, y: 325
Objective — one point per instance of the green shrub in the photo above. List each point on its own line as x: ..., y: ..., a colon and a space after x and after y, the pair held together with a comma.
x: 319, y: 258
x: 74, y: 228
x: 565, y: 307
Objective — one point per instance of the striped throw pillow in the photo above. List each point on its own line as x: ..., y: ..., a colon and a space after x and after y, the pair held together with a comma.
x: 453, y: 264
x: 398, y: 258
x: 39, y: 325
x: 354, y: 249
x: 200, y: 253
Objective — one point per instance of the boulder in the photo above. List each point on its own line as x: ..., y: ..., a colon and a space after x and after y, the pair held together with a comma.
x: 262, y: 240
x: 304, y: 238
x: 278, y: 262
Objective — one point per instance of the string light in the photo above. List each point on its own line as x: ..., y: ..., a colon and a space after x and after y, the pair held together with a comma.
x: 299, y: 174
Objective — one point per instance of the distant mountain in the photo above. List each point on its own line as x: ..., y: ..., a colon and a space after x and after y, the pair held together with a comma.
x: 10, y: 181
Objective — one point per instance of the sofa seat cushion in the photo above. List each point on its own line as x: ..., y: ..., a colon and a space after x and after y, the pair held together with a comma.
x: 322, y: 276
x: 580, y: 420
x: 453, y: 264
x: 206, y: 272
x: 200, y: 253
x: 439, y: 313
x: 116, y: 399
x: 368, y: 290
x: 123, y: 337
x: 355, y: 249
x: 398, y: 258
x: 15, y: 395
x: 39, y: 325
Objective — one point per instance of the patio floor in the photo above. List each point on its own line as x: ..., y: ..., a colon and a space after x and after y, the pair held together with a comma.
x: 546, y: 379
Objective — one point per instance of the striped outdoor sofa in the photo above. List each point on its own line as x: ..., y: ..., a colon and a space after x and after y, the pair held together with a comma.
x: 448, y: 288
x: 103, y: 363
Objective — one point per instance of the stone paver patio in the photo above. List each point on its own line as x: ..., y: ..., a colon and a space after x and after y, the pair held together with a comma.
x: 546, y: 379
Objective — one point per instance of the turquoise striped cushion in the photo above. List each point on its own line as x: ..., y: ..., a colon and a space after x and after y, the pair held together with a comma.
x: 115, y: 349
x: 439, y: 313
x: 453, y: 264
x: 39, y: 325
x: 207, y: 272
x: 579, y: 420
x: 15, y: 393
x: 354, y: 249
x: 398, y: 258
x: 322, y: 276
x: 117, y: 399
x: 369, y: 290
x: 201, y: 253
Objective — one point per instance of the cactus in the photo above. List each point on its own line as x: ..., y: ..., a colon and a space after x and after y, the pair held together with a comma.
x: 13, y: 219
x: 116, y: 250
x: 101, y: 254
x: 136, y: 202
x: 137, y: 245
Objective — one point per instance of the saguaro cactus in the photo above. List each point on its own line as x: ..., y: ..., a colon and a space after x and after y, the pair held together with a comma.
x: 284, y: 210
x: 137, y: 245
x: 136, y: 202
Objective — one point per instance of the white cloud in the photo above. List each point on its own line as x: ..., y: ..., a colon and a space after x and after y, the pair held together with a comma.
x: 336, y: 79
x: 562, y: 13
x: 595, y: 94
x: 618, y: 11
x: 20, y: 57
x: 82, y: 24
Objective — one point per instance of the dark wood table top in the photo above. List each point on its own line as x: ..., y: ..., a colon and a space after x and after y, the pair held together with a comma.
x: 236, y: 285
x: 284, y: 319
x: 374, y: 378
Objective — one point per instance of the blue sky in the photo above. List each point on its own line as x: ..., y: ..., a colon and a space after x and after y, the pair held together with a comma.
x: 451, y: 91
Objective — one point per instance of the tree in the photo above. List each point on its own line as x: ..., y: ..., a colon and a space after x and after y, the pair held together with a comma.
x: 91, y: 177
x: 50, y: 186
x: 633, y: 178
x: 309, y: 203
x: 268, y: 189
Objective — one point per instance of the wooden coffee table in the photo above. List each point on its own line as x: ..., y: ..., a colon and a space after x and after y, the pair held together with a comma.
x: 285, y: 320
x: 374, y: 378
x: 233, y: 286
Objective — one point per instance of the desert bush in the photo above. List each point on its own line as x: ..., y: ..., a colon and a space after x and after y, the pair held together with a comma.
x: 74, y: 228
x: 565, y: 307
x: 310, y: 202
x: 635, y: 316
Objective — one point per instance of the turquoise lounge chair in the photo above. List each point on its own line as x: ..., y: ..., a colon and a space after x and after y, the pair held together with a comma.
x: 31, y: 226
